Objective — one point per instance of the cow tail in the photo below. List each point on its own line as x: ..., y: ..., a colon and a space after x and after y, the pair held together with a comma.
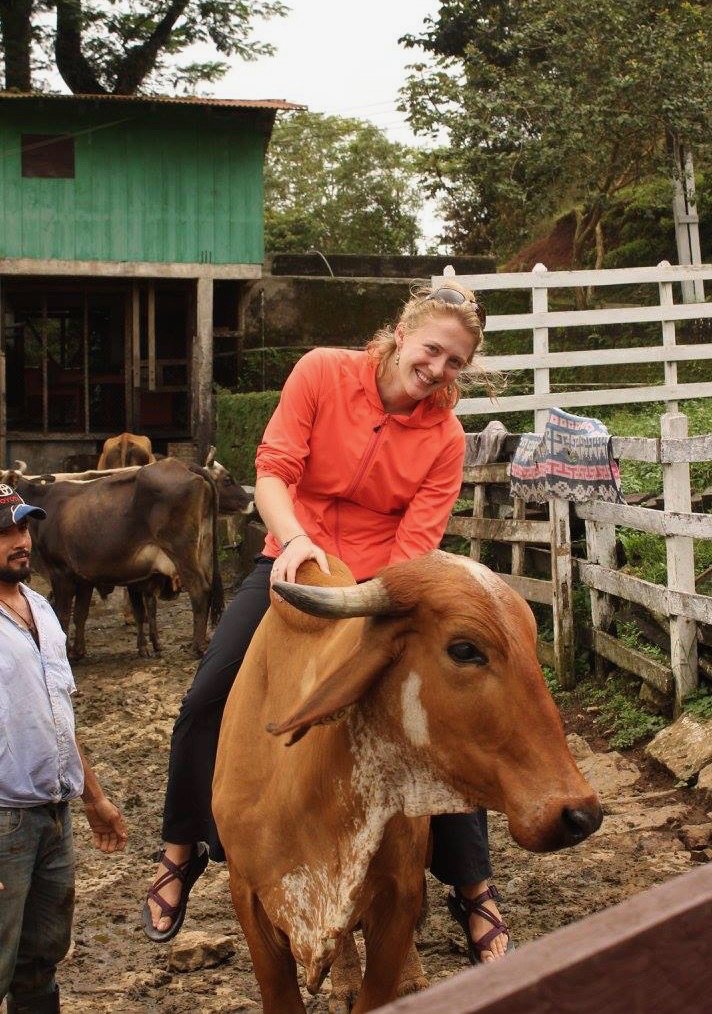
x: 217, y: 594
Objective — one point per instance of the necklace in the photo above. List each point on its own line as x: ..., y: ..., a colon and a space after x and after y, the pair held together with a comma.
x: 29, y: 623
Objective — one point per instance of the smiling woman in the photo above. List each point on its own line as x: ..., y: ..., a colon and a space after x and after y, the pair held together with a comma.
x: 362, y: 459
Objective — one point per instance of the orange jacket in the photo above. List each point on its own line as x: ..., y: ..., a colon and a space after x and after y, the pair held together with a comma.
x: 369, y: 487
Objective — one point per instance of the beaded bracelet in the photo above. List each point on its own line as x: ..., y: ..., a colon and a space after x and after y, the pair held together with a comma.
x: 301, y: 534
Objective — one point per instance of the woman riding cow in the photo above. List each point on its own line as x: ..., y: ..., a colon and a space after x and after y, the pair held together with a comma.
x: 362, y: 459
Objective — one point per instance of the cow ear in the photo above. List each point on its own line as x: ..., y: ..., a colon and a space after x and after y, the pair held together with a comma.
x: 338, y: 690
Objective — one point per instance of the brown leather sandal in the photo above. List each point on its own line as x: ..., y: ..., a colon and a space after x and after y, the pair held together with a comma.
x: 461, y: 908
x: 187, y: 873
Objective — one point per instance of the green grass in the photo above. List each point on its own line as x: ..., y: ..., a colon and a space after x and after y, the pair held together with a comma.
x: 700, y: 704
x: 631, y: 636
x: 617, y: 712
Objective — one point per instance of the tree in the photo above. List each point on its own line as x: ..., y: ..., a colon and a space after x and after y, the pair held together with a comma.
x: 127, y: 46
x: 552, y: 107
x: 339, y: 185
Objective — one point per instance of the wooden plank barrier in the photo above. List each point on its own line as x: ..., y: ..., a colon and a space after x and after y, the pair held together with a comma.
x: 673, y: 451
x: 519, y: 532
x: 651, y: 953
x: 677, y: 601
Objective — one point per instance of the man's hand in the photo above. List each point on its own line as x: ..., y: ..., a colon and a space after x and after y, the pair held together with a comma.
x: 107, y: 825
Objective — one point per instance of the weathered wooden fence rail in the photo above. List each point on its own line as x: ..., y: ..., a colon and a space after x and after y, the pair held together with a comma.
x: 540, y: 320
x: 678, y: 602
x: 650, y: 953
x: 674, y: 451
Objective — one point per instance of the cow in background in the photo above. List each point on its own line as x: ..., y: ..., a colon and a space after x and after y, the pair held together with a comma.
x: 125, y: 449
x: 416, y: 693
x: 139, y: 527
x: 232, y: 497
x: 140, y: 597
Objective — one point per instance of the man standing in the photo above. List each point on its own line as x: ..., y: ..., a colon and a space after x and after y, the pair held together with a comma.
x: 41, y: 769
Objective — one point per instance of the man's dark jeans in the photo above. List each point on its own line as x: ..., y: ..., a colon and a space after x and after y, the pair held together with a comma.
x: 37, y: 902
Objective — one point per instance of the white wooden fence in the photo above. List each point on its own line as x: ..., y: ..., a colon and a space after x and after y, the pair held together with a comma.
x: 541, y: 319
x: 674, y: 451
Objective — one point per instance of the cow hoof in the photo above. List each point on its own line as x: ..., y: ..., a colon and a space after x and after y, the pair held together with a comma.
x: 75, y: 656
x: 143, y: 652
x: 416, y: 985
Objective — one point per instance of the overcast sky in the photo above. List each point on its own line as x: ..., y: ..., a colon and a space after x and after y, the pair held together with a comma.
x: 335, y: 57
x: 338, y: 57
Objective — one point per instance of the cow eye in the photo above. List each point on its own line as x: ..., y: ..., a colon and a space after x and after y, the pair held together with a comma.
x: 466, y: 653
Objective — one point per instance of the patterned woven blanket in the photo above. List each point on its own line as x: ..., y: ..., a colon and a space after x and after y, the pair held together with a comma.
x: 571, y: 460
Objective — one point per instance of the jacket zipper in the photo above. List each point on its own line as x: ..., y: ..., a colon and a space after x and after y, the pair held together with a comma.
x: 367, y: 456
x: 365, y: 460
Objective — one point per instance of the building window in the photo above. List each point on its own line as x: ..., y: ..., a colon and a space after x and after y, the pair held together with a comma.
x: 48, y: 156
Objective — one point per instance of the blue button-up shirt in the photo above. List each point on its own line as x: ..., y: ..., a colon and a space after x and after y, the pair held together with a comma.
x: 39, y: 760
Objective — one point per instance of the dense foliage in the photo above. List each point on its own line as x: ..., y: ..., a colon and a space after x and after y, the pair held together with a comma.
x: 339, y: 185
x: 241, y: 421
x: 126, y: 46
x: 547, y: 107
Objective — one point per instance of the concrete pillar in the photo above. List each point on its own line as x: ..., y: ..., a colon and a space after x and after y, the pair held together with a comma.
x: 202, y: 369
x: 3, y: 385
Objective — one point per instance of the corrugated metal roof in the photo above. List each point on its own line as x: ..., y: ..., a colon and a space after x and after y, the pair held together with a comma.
x: 179, y: 100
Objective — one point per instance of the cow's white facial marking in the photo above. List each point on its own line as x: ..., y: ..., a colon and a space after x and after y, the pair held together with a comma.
x: 415, y: 717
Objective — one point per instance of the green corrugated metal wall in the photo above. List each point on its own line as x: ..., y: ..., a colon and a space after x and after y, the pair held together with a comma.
x: 171, y: 185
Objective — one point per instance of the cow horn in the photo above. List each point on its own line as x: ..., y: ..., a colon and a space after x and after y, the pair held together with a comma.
x: 367, y: 599
x: 20, y: 466
x: 211, y: 457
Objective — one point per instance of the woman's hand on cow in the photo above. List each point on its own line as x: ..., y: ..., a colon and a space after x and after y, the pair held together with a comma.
x: 300, y: 548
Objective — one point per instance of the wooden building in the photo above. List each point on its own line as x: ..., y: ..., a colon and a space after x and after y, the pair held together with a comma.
x: 128, y: 225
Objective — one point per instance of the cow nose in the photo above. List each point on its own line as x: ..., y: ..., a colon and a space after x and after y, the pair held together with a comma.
x: 581, y: 822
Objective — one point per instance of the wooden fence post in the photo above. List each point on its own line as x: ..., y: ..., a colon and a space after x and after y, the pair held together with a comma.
x: 561, y: 566
x: 680, y: 564
x: 601, y: 550
x: 479, y: 500
x: 668, y: 329
x: 562, y: 588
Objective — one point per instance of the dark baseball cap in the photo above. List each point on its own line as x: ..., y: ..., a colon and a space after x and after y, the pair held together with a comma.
x: 13, y: 508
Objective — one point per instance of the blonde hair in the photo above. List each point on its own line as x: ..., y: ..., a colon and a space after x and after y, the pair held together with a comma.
x: 421, y: 307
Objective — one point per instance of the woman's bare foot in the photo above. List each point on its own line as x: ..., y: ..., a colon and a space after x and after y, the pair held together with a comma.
x: 479, y: 925
x: 171, y: 890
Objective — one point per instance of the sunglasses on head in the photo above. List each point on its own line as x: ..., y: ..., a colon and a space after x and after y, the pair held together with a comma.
x: 456, y: 298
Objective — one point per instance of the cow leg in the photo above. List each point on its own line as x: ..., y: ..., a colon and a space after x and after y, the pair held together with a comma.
x: 345, y: 977
x: 62, y: 596
x: 412, y: 977
x: 63, y: 590
x: 199, y: 591
x: 137, y: 604
x: 150, y: 602
x: 127, y: 608
x: 388, y: 930
x: 275, y: 968
x: 82, y: 600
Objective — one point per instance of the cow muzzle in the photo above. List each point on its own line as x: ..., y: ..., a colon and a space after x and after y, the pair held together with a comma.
x: 557, y: 826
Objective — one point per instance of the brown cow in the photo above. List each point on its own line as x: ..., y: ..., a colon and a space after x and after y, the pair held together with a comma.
x: 125, y: 449
x: 422, y: 696
x: 128, y: 528
x: 140, y: 597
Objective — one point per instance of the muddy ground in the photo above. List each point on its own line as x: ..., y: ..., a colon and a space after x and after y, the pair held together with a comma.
x: 125, y: 708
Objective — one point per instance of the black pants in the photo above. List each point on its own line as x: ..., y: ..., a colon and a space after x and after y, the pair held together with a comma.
x: 460, y: 849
